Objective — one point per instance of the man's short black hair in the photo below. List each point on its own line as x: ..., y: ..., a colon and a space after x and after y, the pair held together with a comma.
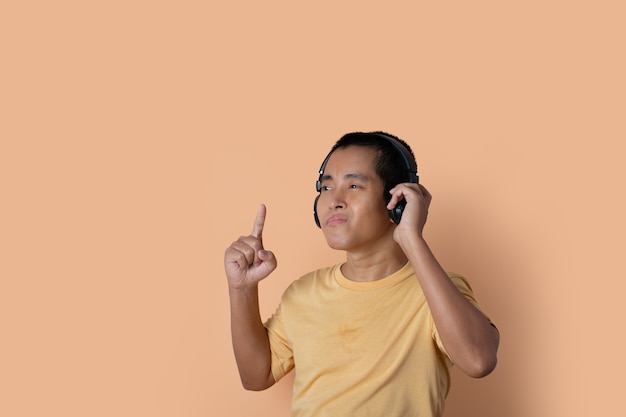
x: 389, y: 163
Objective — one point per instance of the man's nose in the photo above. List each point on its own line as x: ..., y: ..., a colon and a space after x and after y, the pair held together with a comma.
x: 337, y: 200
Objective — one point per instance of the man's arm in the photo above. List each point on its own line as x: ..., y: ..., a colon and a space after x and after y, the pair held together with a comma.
x: 250, y: 342
x: 246, y: 263
x: 469, y: 338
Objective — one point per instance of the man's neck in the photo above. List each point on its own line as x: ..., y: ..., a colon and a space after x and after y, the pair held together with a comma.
x: 374, y: 265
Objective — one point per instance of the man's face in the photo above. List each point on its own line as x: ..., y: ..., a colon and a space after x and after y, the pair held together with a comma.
x: 351, y: 208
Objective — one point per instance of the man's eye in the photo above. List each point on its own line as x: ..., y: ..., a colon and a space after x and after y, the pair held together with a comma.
x: 354, y: 186
x: 325, y: 188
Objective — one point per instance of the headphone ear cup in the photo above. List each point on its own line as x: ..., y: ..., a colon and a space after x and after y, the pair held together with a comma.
x: 317, y: 219
x: 396, y: 213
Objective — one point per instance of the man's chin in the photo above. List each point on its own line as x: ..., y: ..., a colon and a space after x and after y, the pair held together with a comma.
x: 336, y: 244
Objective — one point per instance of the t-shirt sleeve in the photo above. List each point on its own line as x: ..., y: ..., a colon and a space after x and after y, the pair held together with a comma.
x: 282, y: 354
x: 465, y: 288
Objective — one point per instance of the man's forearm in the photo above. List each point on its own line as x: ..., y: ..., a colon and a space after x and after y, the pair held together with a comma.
x: 250, y: 342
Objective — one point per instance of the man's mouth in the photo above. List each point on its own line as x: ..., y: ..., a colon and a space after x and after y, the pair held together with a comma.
x: 336, y: 219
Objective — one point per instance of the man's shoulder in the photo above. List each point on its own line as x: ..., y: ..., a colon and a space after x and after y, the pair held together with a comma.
x: 459, y: 280
x: 318, y: 278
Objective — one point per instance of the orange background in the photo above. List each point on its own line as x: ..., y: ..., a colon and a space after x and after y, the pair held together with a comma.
x: 138, y: 138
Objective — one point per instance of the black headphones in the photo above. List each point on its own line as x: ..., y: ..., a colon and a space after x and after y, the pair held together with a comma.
x: 411, y: 176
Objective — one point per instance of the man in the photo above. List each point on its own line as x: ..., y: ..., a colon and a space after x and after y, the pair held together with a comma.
x: 377, y: 334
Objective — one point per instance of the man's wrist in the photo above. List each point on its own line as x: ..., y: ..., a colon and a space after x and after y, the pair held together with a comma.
x: 244, y: 290
x: 411, y: 241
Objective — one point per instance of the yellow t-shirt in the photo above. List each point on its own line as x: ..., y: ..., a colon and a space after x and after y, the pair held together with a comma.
x: 361, y: 348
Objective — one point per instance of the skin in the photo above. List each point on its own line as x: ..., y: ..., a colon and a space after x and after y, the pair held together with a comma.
x: 354, y: 219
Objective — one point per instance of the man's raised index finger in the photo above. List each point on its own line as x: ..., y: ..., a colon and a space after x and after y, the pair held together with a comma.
x: 259, y: 222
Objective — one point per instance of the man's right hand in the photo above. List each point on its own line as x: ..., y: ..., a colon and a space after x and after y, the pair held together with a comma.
x: 246, y: 262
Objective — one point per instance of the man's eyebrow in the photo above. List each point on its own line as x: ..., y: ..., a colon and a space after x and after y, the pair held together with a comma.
x: 357, y: 176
